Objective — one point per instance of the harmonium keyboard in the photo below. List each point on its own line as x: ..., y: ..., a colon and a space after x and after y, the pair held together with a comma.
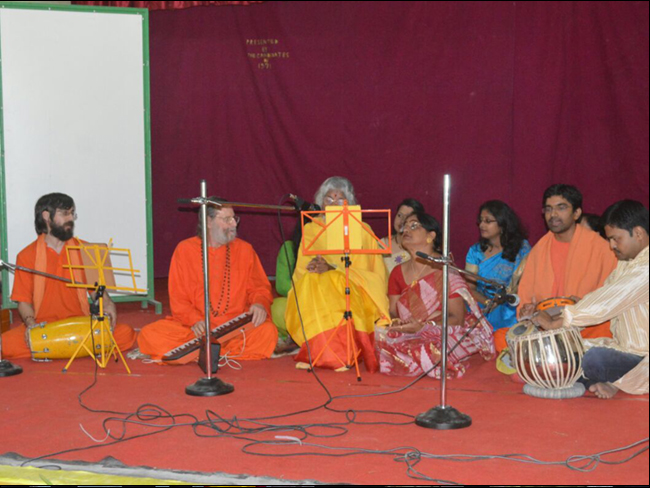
x: 189, y: 351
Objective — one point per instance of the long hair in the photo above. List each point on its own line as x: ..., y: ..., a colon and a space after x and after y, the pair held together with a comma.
x: 335, y: 183
x: 409, y: 202
x: 513, y: 232
x: 595, y: 223
x: 50, y: 202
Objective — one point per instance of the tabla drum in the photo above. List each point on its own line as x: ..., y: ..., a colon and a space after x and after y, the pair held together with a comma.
x: 550, y: 362
x: 60, y: 339
x: 520, y: 329
x: 553, y: 306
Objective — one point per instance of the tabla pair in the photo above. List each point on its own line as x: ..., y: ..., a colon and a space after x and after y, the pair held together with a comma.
x: 550, y: 361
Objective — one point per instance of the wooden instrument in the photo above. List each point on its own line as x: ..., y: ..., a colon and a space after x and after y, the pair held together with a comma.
x: 60, y: 339
x: 189, y: 351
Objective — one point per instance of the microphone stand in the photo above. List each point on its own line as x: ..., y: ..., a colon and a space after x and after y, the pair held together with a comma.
x: 212, y: 386
x: 444, y: 417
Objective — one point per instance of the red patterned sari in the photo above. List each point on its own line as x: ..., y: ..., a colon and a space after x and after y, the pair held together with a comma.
x: 411, y: 354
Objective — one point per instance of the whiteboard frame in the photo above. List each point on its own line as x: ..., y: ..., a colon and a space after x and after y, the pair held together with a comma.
x: 147, y: 298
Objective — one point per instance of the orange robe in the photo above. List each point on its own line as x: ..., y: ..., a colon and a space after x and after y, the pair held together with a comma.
x: 52, y: 300
x: 231, y: 293
x: 589, y: 263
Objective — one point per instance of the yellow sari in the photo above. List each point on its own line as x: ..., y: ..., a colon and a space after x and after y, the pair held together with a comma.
x: 322, y: 303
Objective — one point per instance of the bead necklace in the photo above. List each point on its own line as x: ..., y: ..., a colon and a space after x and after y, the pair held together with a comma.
x: 225, y: 288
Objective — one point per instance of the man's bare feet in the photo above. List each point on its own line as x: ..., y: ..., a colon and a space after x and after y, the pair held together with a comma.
x: 603, y: 390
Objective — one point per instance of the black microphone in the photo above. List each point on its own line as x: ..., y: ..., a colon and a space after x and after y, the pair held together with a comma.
x: 303, y: 205
x: 440, y: 260
x: 509, y: 298
x: 512, y: 299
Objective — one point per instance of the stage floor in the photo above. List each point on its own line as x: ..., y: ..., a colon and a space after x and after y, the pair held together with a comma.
x: 348, y: 442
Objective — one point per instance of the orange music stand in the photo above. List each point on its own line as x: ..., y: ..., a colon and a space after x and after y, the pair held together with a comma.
x: 350, y: 218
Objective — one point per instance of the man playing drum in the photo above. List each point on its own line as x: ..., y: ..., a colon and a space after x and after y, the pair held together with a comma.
x: 569, y: 261
x: 620, y: 363
x: 41, y: 299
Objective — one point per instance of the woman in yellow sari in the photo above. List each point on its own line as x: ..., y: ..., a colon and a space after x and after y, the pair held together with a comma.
x: 320, y: 289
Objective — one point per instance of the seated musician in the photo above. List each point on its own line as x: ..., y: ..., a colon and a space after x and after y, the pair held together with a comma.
x: 238, y: 284
x: 412, y: 344
x: 42, y: 299
x: 320, y: 288
x: 619, y: 363
x: 570, y: 260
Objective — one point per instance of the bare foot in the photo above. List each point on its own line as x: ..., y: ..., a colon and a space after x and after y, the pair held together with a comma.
x: 603, y: 390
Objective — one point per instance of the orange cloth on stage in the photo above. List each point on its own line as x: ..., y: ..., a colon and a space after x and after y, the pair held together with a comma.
x: 589, y: 263
x: 52, y: 300
x: 232, y: 292
x: 499, y: 337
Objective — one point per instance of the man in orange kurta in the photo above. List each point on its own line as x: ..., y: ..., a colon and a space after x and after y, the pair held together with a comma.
x: 42, y: 299
x: 238, y: 284
x: 569, y: 260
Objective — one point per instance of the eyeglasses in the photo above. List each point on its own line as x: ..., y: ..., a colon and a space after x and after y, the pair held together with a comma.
x: 411, y: 226
x: 562, y: 207
x: 484, y: 221
x: 330, y: 201
x: 68, y: 213
x: 230, y: 220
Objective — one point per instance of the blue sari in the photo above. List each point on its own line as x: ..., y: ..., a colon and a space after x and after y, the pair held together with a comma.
x: 498, y: 269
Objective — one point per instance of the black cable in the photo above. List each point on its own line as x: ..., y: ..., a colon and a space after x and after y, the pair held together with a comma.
x: 215, y: 425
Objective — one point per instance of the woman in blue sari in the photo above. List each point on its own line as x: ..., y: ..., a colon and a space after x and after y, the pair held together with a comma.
x: 499, y: 252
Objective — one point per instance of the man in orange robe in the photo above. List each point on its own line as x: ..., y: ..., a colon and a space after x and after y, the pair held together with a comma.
x: 42, y: 299
x: 569, y: 261
x: 238, y: 284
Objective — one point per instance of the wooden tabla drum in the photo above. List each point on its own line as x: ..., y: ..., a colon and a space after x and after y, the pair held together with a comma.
x: 60, y: 339
x: 550, y: 362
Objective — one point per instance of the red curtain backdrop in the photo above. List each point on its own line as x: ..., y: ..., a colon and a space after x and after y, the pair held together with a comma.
x: 506, y: 97
x: 160, y: 5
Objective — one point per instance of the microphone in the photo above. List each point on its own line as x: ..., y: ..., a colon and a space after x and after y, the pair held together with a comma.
x: 303, y: 205
x: 509, y: 298
x: 513, y: 299
x: 440, y: 260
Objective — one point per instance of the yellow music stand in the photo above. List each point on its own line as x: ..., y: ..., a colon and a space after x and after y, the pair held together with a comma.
x: 98, y: 255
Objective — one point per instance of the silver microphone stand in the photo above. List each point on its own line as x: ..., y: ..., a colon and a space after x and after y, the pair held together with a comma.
x: 212, y: 386
x: 444, y: 417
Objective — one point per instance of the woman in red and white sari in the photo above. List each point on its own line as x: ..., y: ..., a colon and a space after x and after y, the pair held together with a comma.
x: 412, y: 344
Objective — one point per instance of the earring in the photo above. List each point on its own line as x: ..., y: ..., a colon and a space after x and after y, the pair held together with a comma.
x: 429, y: 240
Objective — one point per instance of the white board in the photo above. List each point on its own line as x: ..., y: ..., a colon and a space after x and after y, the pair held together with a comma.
x: 74, y: 121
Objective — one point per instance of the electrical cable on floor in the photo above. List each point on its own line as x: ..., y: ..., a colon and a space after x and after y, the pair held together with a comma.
x: 215, y: 426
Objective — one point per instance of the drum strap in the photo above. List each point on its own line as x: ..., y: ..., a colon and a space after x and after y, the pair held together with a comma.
x: 41, y: 265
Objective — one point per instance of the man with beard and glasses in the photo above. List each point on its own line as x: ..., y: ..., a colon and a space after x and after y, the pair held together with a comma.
x: 238, y: 284
x: 569, y: 261
x: 620, y: 363
x: 41, y: 299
